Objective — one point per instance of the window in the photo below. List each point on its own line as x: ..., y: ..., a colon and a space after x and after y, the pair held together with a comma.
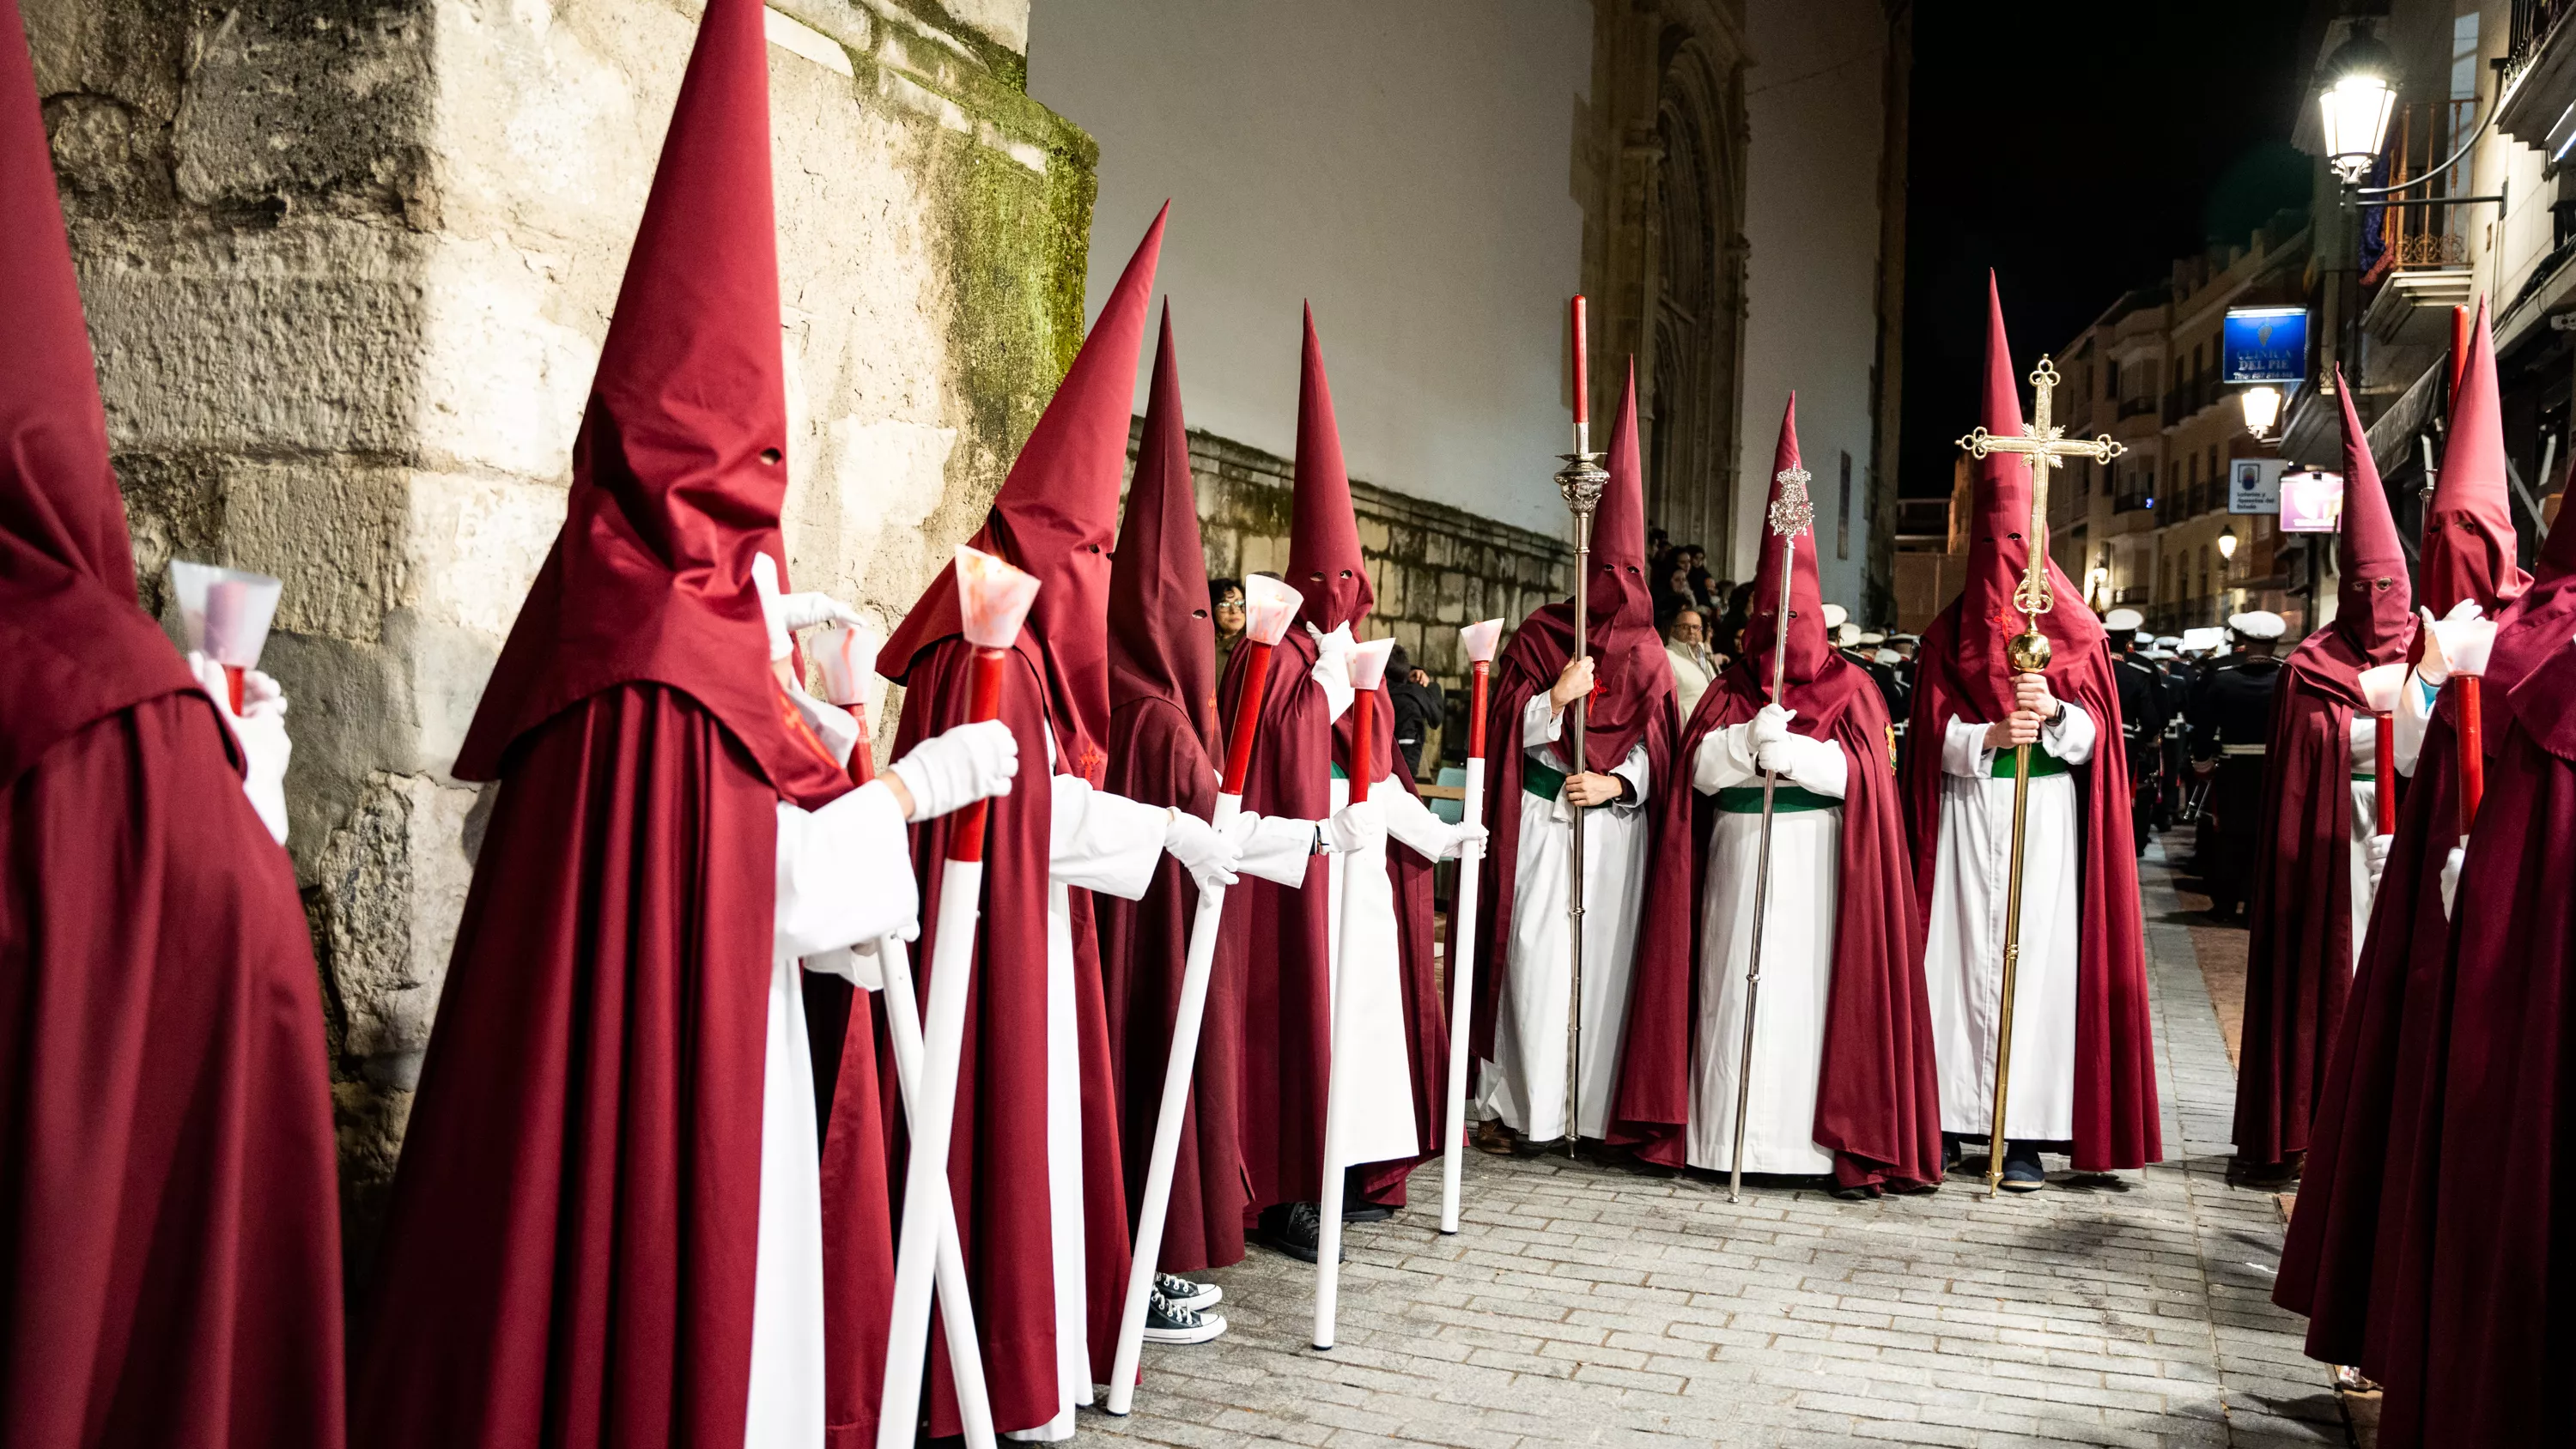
x: 2192, y: 497
x: 2464, y: 57
x: 1842, y: 514
x: 2204, y: 572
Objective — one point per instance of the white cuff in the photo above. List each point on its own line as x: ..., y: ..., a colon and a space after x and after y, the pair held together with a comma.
x: 1410, y: 821
x: 844, y: 873
x: 1725, y: 760
x: 2071, y: 738
x: 1964, y: 752
x: 1097, y: 841
x: 1540, y: 722
x: 1279, y: 850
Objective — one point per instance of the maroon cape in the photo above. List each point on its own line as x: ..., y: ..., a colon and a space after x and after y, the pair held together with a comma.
x: 1162, y: 723
x: 587, y: 1134
x: 1878, y: 1099
x: 997, y: 1162
x: 2300, y: 952
x: 1272, y: 953
x: 2359, y: 1259
x: 169, y: 1202
x: 1632, y: 703
x: 847, y: 1031
x: 1961, y: 672
x: 2502, y: 1269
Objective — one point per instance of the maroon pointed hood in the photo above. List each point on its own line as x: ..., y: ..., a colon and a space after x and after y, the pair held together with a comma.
x: 1162, y: 644
x: 1808, y: 649
x: 1057, y: 518
x: 1324, y: 561
x: 1998, y: 548
x: 2469, y: 545
x: 681, y: 463
x: 1618, y: 594
x: 82, y: 647
x: 2376, y: 611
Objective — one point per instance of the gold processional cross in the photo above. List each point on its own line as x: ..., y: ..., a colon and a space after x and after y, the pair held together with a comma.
x: 2046, y: 446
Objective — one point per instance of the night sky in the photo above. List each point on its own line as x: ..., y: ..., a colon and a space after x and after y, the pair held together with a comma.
x: 2151, y: 129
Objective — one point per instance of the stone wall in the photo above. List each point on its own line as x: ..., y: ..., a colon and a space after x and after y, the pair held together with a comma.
x: 348, y: 264
x: 1434, y: 567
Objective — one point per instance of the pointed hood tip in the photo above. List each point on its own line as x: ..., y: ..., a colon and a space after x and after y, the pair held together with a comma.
x: 1324, y: 558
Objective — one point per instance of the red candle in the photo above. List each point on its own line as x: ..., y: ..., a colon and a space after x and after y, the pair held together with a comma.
x: 983, y: 702
x: 2386, y: 760
x: 1582, y: 369
x: 2473, y: 755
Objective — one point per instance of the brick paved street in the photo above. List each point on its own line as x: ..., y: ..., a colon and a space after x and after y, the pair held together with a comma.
x: 1589, y: 1305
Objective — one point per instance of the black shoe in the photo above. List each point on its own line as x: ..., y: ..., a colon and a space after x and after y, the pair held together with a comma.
x: 2022, y: 1172
x: 1361, y: 1210
x: 1949, y: 1152
x: 1182, y: 1293
x: 1294, y: 1228
x: 1169, y: 1322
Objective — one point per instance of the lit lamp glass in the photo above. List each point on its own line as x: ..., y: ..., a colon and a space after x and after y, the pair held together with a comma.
x: 2227, y: 545
x: 2356, y: 103
x: 2262, y: 406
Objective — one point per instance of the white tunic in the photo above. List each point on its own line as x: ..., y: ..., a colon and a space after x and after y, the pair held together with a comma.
x: 1099, y: 842
x: 1963, y: 956
x: 1797, y: 971
x: 2365, y: 823
x: 1525, y: 1083
x: 844, y: 875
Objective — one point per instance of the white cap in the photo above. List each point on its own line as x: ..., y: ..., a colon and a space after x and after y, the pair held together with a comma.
x: 1835, y: 614
x: 1888, y: 656
x: 1873, y: 638
x: 2123, y: 620
x: 2159, y: 653
x: 2169, y: 641
x: 1846, y: 635
x: 2258, y: 624
x: 2204, y: 639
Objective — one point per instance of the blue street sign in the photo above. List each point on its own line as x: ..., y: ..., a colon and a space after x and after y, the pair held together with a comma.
x: 2264, y: 344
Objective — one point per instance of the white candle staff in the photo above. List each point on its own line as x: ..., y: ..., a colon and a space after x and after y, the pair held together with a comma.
x: 847, y: 657
x: 1269, y: 606
x: 992, y: 598
x: 1368, y: 668
x: 1480, y: 641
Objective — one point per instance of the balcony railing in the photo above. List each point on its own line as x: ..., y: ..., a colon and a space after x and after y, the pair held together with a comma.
x: 2415, y: 238
x: 2531, y: 22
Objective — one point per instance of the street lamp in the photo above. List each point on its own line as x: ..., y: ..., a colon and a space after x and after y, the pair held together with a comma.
x: 2358, y: 100
x: 2227, y: 545
x: 2262, y: 404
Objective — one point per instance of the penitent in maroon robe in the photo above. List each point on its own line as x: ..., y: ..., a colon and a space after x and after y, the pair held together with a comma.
x: 1274, y: 950
x: 569, y: 1257
x: 1962, y: 672
x: 1054, y: 517
x: 2358, y: 1256
x: 1878, y: 1092
x: 1162, y: 722
x: 169, y: 1206
x: 2502, y: 1274
x: 2301, y: 949
x: 1632, y: 704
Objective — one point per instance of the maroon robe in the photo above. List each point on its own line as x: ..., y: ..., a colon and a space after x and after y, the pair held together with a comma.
x: 854, y: 1066
x: 2501, y: 1269
x: 1878, y: 1098
x: 569, y: 1255
x: 1054, y: 517
x: 1162, y: 691
x: 1632, y: 703
x: 2300, y: 953
x: 169, y: 1208
x: 1273, y: 951
x: 2358, y: 1256
x: 1962, y: 672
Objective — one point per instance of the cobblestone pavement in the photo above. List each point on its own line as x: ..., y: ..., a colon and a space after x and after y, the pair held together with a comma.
x: 1582, y: 1304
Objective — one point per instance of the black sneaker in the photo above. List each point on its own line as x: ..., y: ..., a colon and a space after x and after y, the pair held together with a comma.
x: 1169, y: 1322
x: 1182, y: 1293
x: 1361, y: 1210
x: 2022, y: 1172
x: 1293, y: 1228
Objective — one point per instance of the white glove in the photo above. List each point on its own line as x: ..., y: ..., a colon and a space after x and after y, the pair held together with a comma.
x: 1458, y: 837
x: 787, y: 613
x: 1810, y: 764
x: 1332, y: 671
x: 953, y: 770
x: 2377, y: 858
x: 1206, y: 852
x: 1770, y: 725
x: 261, y: 729
x: 1354, y: 828
x: 2436, y: 664
x: 2451, y: 876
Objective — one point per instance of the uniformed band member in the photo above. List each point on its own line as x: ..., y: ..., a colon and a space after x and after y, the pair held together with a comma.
x: 2142, y: 717
x: 2231, y: 725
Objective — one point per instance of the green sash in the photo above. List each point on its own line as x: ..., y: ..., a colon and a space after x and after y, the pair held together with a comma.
x: 1747, y: 800
x: 2007, y: 765
x: 1539, y: 780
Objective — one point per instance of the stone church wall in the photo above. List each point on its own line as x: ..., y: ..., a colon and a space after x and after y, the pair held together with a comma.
x: 348, y: 265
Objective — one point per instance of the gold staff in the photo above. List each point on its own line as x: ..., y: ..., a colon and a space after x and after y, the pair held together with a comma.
x: 2043, y: 446
x: 1790, y: 516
